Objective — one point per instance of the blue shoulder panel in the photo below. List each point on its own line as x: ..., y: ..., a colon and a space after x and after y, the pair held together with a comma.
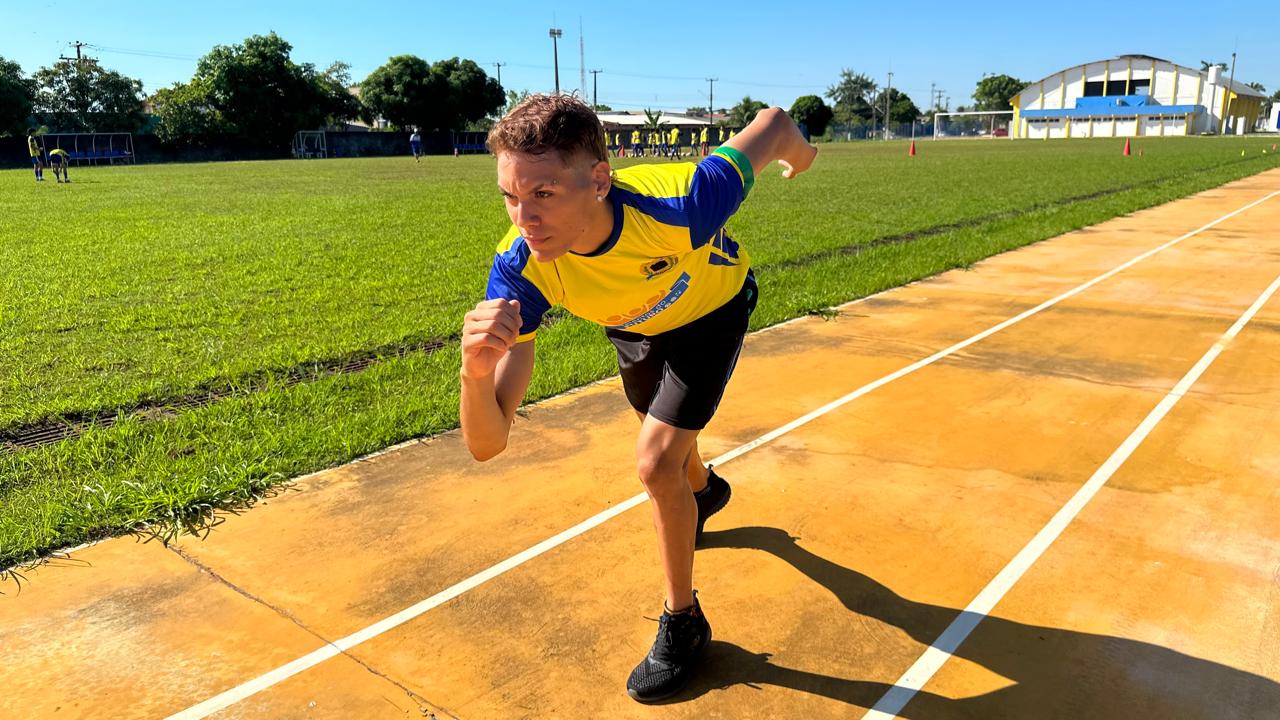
x: 507, y: 281
x: 715, y: 194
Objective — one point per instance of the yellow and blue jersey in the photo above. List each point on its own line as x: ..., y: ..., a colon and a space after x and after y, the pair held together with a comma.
x: 32, y: 146
x: 667, y: 262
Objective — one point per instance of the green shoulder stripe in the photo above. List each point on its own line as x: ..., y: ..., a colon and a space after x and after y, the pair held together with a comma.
x: 743, y: 165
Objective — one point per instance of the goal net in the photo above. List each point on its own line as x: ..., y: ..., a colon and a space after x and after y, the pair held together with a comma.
x: 310, y: 144
x: 984, y: 124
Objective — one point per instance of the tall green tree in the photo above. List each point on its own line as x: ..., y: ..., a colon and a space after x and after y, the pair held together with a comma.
x: 995, y: 91
x: 653, y: 119
x: 262, y: 94
x: 82, y: 96
x: 186, y: 117
x: 407, y: 91
x: 339, y: 102
x: 17, y: 96
x: 852, y: 97
x: 902, y: 109
x: 745, y: 111
x: 812, y: 112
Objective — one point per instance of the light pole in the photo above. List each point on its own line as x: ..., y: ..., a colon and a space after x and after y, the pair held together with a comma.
x: 595, y: 89
x: 556, y: 34
x: 711, y: 100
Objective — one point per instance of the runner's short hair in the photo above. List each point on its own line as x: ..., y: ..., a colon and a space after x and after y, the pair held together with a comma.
x: 545, y: 123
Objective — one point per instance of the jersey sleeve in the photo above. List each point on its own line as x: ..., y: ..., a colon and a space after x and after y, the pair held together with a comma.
x: 720, y: 184
x: 507, y: 282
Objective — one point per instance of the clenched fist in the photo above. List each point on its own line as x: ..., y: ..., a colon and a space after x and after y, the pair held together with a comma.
x: 488, y: 332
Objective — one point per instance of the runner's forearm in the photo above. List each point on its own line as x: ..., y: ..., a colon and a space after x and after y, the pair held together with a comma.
x: 485, y: 427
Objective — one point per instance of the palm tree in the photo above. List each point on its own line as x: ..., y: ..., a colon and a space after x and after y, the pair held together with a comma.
x: 653, y: 120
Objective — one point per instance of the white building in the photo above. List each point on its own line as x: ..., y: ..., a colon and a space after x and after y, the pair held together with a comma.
x: 1133, y: 96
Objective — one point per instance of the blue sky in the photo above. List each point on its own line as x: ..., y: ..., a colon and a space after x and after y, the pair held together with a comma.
x: 659, y: 56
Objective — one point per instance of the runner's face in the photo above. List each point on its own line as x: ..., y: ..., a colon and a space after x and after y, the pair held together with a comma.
x: 551, y: 202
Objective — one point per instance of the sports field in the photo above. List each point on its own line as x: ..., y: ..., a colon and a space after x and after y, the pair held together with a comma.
x: 211, y: 330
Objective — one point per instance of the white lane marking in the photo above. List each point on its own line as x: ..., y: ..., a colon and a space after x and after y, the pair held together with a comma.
x: 941, y: 650
x: 262, y: 682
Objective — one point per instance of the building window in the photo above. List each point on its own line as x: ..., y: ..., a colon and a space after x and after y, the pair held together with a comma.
x: 1095, y: 89
x: 1140, y: 87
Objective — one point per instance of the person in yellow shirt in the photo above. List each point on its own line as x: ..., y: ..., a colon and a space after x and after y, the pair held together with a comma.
x: 702, y: 137
x: 642, y: 251
x: 59, y: 160
x: 37, y: 157
x: 636, y: 150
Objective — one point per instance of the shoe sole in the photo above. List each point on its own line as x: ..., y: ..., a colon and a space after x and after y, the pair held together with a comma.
x: 680, y: 688
x: 697, y: 537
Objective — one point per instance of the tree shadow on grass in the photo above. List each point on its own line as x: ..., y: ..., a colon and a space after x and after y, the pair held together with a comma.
x: 1053, y: 672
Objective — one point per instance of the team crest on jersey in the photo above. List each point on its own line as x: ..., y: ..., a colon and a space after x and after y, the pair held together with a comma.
x: 654, y: 268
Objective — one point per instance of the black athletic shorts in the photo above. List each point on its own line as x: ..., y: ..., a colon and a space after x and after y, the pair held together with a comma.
x: 680, y: 375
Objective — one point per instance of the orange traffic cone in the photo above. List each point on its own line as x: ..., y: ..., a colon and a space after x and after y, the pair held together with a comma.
x: 912, y: 151
x: 1126, y: 147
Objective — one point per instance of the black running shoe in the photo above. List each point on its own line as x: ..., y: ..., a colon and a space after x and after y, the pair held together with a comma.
x: 669, y: 665
x: 710, y: 499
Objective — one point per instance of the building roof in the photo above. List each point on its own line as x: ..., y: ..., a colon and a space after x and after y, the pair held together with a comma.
x: 638, y: 119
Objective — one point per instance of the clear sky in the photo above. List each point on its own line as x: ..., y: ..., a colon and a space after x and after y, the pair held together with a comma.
x: 658, y: 54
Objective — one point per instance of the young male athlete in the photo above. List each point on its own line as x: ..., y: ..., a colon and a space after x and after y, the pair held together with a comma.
x: 643, y: 252
x: 415, y: 145
x: 37, y: 158
x: 60, y: 162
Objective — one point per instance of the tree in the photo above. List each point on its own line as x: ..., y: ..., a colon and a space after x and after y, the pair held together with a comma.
x: 1205, y: 65
x: 653, y: 120
x: 445, y: 96
x: 601, y: 108
x: 262, y: 95
x: 995, y: 91
x: 901, y: 107
x: 852, y: 97
x: 185, y: 116
x: 812, y: 112
x: 744, y: 112
x: 339, y: 103
x: 695, y: 111
x: 17, y: 96
x: 82, y: 96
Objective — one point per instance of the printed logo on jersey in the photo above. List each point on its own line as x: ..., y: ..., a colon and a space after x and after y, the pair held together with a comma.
x: 724, y: 250
x: 657, y: 267
x: 642, y: 314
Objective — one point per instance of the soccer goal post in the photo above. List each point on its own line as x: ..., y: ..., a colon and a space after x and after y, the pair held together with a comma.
x: 310, y: 144
x: 978, y: 124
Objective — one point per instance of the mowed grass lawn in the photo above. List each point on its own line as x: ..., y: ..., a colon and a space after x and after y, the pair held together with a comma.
x: 135, y: 291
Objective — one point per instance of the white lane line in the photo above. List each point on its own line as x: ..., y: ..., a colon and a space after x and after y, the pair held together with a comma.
x: 941, y: 650
x: 266, y: 680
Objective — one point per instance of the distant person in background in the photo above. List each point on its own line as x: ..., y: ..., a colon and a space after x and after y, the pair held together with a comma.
x: 37, y: 159
x: 415, y: 144
x: 702, y: 138
x: 59, y: 160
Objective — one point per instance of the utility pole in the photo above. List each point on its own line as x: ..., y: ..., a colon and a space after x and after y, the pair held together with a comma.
x: 556, y: 34
x: 711, y: 100
x: 77, y: 44
x: 595, y: 89
x: 931, y: 94
x: 499, y: 66
x: 1226, y: 114
x: 582, y: 59
x: 888, y: 93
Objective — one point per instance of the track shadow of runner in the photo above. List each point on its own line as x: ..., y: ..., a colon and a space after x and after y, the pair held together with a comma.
x: 1054, y: 672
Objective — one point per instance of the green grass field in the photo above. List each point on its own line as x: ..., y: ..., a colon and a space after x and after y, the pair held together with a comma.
x: 244, y: 323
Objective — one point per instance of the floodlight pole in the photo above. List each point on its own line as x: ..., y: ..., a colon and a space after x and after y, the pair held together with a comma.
x: 556, y: 34
x: 595, y: 89
x: 888, y: 94
x: 1226, y: 114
